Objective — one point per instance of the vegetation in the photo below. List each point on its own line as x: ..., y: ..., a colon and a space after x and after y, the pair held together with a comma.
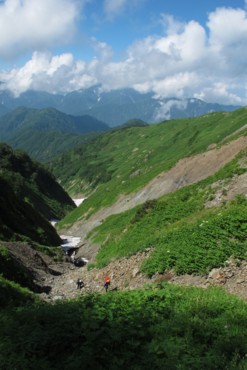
x: 29, y: 198
x: 167, y: 328
x: 186, y: 236
x: 162, y: 326
x: 122, y: 161
x: 45, y: 133
x: 13, y: 295
x: 132, y: 123
x: 198, y: 247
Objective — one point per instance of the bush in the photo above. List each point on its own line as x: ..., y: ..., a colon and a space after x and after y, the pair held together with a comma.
x: 170, y: 328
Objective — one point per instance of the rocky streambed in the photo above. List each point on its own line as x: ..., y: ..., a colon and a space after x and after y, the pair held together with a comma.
x: 126, y: 275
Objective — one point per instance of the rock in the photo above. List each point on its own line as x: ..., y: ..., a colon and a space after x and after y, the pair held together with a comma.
x: 240, y: 281
x: 135, y: 272
x: 58, y: 298
x: 217, y: 276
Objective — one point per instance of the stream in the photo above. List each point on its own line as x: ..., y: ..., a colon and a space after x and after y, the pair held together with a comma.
x: 70, y: 243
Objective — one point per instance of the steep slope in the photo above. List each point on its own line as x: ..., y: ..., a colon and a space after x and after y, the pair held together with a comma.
x: 124, y: 161
x: 19, y: 220
x: 187, y: 171
x: 30, y: 197
x: 152, y: 218
x: 21, y: 263
x: 205, y: 205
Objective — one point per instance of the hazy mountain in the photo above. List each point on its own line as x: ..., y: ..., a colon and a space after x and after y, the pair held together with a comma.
x: 114, y: 107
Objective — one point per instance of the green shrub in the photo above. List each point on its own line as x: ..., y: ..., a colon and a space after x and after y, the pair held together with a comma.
x: 13, y: 295
x: 168, y: 328
x: 197, y: 247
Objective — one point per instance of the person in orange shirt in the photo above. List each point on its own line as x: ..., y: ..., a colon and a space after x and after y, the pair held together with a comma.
x: 106, y: 283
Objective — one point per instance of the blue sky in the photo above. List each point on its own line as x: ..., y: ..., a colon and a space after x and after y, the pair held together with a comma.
x: 172, y: 48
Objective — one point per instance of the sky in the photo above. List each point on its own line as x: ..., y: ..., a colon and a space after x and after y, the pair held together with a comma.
x: 172, y: 48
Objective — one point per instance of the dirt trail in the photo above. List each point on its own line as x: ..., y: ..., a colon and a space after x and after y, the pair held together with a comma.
x: 187, y: 171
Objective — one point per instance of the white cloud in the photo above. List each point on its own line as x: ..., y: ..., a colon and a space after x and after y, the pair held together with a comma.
x: 113, y: 8
x: 102, y: 49
x: 217, y: 92
x: 43, y: 72
x: 170, y: 24
x: 34, y: 24
x: 164, y: 111
x: 187, y: 61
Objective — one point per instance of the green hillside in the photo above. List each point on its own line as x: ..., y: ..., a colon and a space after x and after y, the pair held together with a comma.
x: 30, y: 197
x: 122, y: 161
x: 45, y: 133
x: 185, y: 235
x: 162, y: 325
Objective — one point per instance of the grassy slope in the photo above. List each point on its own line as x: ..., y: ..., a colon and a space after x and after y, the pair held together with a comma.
x: 124, y: 160
x: 185, y: 236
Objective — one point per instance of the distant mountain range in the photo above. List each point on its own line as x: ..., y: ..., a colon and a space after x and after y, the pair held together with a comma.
x: 113, y: 107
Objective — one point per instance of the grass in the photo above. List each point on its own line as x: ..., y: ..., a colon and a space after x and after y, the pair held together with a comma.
x: 184, y: 234
x: 13, y: 295
x: 122, y: 161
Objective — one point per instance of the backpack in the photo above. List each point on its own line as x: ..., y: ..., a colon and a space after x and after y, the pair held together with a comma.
x: 107, y: 281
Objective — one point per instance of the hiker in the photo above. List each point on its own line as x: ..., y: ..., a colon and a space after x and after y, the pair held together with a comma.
x: 79, y: 284
x: 106, y: 283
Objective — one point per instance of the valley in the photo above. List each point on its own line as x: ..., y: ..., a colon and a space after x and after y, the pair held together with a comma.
x: 162, y: 211
x: 123, y: 185
x: 187, y: 171
x: 125, y: 273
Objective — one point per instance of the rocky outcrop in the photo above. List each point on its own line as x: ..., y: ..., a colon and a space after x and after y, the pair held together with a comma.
x: 55, y: 281
x: 26, y: 266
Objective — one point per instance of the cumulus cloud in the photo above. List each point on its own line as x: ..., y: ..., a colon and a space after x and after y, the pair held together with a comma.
x: 49, y: 73
x: 186, y: 61
x: 34, y: 24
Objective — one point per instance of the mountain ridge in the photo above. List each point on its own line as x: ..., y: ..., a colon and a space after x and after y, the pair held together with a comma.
x: 114, y: 107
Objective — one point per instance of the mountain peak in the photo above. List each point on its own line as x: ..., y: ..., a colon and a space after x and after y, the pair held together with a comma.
x: 115, y: 106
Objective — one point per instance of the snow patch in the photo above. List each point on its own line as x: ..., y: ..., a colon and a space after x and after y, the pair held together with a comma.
x: 54, y: 222
x: 69, y: 242
x: 78, y: 201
